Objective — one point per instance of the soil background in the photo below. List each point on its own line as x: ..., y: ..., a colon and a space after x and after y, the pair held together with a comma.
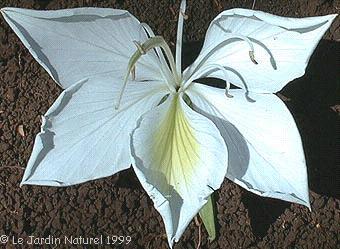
x: 118, y: 205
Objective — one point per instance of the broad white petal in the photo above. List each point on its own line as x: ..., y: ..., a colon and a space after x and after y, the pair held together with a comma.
x: 180, y: 159
x: 282, y: 48
x: 83, y: 137
x: 265, y: 150
x: 73, y: 44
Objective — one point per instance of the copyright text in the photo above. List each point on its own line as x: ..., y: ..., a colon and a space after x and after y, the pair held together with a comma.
x: 66, y: 240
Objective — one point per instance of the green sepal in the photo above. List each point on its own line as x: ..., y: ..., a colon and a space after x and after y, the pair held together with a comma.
x: 207, y: 215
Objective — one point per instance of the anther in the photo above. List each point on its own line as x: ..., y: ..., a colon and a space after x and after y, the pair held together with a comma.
x: 252, y: 57
x: 227, y: 94
x: 139, y: 47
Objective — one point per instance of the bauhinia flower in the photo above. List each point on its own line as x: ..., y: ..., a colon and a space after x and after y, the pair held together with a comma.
x: 127, y: 102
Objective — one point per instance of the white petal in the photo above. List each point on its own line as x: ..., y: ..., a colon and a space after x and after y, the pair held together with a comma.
x: 282, y: 48
x: 83, y: 137
x: 73, y: 44
x: 265, y: 150
x: 180, y: 158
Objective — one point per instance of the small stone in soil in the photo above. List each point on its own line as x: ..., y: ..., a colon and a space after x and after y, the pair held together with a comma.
x: 20, y: 130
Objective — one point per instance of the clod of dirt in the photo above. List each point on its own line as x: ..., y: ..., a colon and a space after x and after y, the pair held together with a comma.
x: 11, y: 94
x: 3, y: 147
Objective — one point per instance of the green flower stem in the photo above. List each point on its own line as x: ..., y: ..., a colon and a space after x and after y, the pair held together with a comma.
x: 207, y: 215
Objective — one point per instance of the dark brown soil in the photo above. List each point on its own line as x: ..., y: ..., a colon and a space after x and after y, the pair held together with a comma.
x: 118, y: 205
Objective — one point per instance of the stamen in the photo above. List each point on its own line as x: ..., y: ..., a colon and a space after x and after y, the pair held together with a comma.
x: 219, y: 46
x: 133, y: 60
x: 251, y: 47
x: 179, y: 40
x: 204, y: 71
x: 139, y: 47
x: 164, y: 65
x: 250, y: 44
x: 133, y: 73
x: 149, y: 44
x: 241, y: 37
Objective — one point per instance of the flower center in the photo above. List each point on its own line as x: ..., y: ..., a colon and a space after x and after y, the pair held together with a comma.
x: 172, y: 76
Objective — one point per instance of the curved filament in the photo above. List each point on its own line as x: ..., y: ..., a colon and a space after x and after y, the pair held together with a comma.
x: 204, y: 71
x: 164, y: 65
x: 151, y: 43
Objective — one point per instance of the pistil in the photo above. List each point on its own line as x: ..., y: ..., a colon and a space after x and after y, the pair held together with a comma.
x: 181, y: 17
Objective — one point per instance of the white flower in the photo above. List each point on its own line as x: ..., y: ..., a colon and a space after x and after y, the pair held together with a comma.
x: 181, y: 137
